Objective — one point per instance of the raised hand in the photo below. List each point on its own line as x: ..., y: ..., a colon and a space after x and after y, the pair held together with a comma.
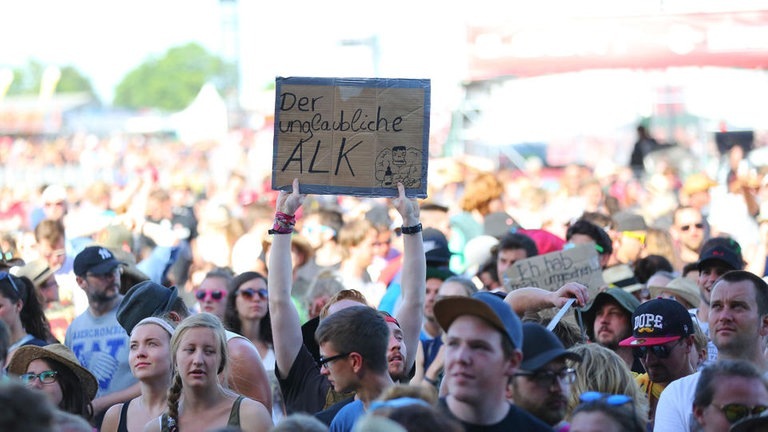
x: 407, y: 207
x: 289, y: 202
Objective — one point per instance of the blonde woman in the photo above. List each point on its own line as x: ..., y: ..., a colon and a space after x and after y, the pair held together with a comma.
x: 150, y: 361
x: 602, y: 370
x: 196, y: 400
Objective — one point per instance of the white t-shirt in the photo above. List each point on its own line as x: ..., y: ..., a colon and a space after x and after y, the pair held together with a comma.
x: 674, y: 412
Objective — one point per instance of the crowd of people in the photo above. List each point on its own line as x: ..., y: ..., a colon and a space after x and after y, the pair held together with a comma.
x: 153, y: 305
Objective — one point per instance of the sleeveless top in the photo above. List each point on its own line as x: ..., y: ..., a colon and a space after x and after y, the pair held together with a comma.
x: 234, y: 418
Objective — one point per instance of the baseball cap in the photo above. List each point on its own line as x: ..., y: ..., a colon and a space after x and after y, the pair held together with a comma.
x: 145, y: 299
x: 624, y: 299
x: 497, y: 224
x: 436, y: 247
x: 485, y: 305
x: 657, y: 322
x: 541, y: 346
x: 95, y: 259
x: 730, y: 256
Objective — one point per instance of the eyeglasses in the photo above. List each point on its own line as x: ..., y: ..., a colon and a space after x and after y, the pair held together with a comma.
x: 660, y: 351
x: 546, y: 378
x: 214, y: 295
x: 250, y: 293
x: 45, y: 377
x: 688, y: 227
x: 735, y: 412
x: 323, y: 361
x: 4, y: 275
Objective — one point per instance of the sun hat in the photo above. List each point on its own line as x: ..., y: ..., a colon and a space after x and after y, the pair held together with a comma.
x: 680, y: 286
x: 23, y: 356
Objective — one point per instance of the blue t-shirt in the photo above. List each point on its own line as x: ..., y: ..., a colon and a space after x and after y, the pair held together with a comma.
x: 347, y: 417
x: 102, y: 346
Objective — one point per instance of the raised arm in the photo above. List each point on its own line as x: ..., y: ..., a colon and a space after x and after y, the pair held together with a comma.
x: 286, y: 327
x: 414, y: 276
x: 535, y: 299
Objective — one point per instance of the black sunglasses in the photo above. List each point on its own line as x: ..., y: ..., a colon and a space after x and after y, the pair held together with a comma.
x: 323, y: 361
x: 660, y: 351
x: 250, y: 293
x: 735, y: 412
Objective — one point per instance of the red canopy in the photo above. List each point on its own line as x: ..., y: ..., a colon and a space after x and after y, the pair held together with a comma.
x: 728, y: 39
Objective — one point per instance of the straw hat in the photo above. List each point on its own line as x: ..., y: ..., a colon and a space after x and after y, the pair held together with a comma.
x: 681, y: 286
x: 37, y: 271
x: 25, y: 355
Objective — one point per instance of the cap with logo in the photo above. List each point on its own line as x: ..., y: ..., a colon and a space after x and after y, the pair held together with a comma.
x: 727, y: 252
x: 95, y: 259
x: 657, y: 322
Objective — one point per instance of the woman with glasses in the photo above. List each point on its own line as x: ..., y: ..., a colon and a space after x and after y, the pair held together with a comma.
x: 21, y: 311
x: 150, y: 361
x: 606, y: 413
x: 614, y: 377
x: 247, y: 314
x: 54, y: 370
x: 196, y: 398
x: 213, y: 291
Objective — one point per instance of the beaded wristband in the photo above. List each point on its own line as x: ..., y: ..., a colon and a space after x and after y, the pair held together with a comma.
x: 411, y: 229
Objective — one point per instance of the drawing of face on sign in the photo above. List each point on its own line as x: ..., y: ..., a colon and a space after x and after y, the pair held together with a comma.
x: 398, y: 155
x: 400, y: 164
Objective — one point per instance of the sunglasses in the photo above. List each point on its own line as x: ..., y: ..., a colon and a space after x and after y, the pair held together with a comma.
x: 546, y: 378
x: 45, y: 377
x: 735, y: 412
x: 4, y: 275
x: 610, y: 399
x: 250, y: 293
x: 688, y: 227
x: 323, y: 361
x: 660, y: 351
x: 214, y: 295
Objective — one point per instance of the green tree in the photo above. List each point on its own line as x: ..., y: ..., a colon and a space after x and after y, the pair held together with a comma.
x: 28, y: 78
x: 170, y: 83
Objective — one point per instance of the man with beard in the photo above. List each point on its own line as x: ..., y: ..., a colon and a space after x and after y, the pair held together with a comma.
x: 738, y: 323
x: 543, y: 383
x: 663, y: 340
x: 607, y: 322
x: 97, y: 339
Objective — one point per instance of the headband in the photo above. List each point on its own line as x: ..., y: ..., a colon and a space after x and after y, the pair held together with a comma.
x: 154, y: 320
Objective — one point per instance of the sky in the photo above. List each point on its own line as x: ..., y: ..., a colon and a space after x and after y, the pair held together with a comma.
x: 107, y: 39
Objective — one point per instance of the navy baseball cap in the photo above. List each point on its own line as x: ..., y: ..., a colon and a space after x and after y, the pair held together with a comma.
x: 659, y: 321
x: 541, y: 346
x: 485, y: 305
x: 730, y: 256
x: 95, y: 259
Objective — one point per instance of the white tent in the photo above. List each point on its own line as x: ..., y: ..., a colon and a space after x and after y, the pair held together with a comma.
x: 204, y: 119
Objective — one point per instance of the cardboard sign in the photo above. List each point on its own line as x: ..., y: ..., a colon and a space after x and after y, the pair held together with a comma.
x: 555, y: 269
x: 351, y: 136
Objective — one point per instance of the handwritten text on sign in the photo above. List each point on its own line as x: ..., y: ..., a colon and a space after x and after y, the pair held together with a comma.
x: 555, y: 269
x: 351, y: 136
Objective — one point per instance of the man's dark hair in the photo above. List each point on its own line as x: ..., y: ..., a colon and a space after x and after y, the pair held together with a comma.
x: 705, y: 388
x: 597, y: 234
x: 648, y: 266
x: 518, y: 241
x: 358, y: 329
x: 761, y: 288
